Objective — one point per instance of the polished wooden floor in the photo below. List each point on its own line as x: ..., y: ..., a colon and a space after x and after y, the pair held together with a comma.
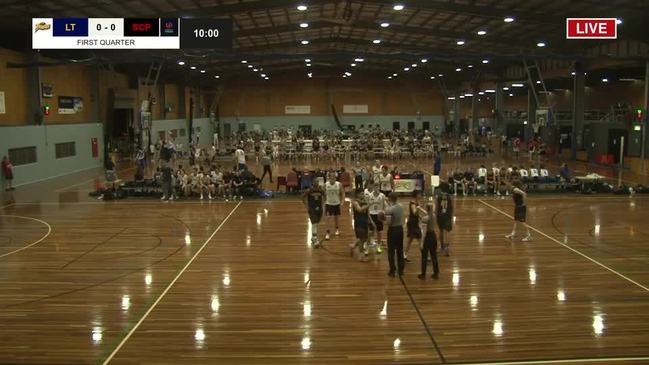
x: 143, y: 282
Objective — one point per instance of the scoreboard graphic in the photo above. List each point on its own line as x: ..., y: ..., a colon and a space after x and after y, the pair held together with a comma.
x: 131, y: 33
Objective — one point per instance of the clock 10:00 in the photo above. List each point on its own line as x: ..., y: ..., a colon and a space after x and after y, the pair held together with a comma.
x: 203, y: 33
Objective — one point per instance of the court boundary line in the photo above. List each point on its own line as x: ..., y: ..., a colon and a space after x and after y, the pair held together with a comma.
x: 423, y: 321
x: 169, y: 286
x: 556, y: 361
x: 571, y: 249
x: 99, y: 176
x: 49, y: 231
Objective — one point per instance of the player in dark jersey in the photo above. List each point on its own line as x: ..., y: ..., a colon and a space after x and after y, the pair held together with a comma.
x: 520, y: 211
x: 412, y: 226
x: 314, y: 200
x: 362, y: 223
x: 444, y: 212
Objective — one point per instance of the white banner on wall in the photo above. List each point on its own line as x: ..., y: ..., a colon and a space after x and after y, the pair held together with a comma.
x: 2, y: 103
x: 355, y: 109
x: 297, y: 109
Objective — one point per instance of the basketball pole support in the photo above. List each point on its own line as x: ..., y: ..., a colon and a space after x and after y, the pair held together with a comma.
x: 621, y: 165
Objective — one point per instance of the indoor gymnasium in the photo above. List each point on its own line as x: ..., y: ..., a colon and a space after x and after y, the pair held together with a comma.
x: 324, y: 182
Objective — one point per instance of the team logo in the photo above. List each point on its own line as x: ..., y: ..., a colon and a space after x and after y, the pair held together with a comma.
x: 42, y: 26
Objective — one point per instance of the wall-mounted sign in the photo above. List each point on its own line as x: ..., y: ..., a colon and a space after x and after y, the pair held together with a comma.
x: 70, y: 104
x: 2, y: 103
x: 355, y: 109
x: 47, y: 90
x: 297, y: 109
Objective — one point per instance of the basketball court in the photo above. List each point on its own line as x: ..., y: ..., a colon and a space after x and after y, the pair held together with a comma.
x: 139, y: 281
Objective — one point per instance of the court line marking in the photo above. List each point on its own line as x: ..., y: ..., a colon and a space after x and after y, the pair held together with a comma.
x: 571, y: 249
x: 49, y: 230
x: 182, y: 271
x: 558, y: 361
x: 423, y: 321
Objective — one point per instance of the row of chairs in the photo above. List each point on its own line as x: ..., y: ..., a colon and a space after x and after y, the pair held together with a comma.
x: 294, y: 182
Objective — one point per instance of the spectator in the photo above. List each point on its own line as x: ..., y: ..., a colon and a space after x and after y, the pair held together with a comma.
x: 565, y: 172
x: 8, y: 173
x: 437, y: 169
x: 266, y: 162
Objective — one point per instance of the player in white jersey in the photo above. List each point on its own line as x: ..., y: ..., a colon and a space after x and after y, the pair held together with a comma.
x: 377, y: 202
x: 334, y: 197
x: 376, y: 171
x: 386, y: 181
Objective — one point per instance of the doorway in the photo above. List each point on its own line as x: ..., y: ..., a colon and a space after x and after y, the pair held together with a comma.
x: 396, y: 126
x: 614, y: 139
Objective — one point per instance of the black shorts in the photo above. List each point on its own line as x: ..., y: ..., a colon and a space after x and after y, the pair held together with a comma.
x: 361, y: 231
x: 377, y: 222
x: 520, y: 213
x: 445, y: 222
x: 315, y: 216
x: 332, y: 210
x: 414, y: 231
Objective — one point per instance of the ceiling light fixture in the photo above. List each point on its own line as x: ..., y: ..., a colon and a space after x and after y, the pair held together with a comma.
x: 305, y: 42
x: 395, y: 74
x: 307, y: 60
x: 353, y: 65
x: 460, y: 42
x: 414, y: 65
x: 505, y: 88
x: 432, y: 77
x: 398, y: 7
x: 181, y: 63
x: 518, y: 85
x: 244, y: 61
x: 458, y: 69
x: 509, y: 19
x: 304, y: 25
x: 424, y: 60
x: 440, y: 75
x: 308, y: 65
x: 482, y: 32
x: 451, y: 98
x: 376, y: 41
x: 470, y: 66
x: 385, y: 25
x: 193, y: 67
x: 348, y: 73
x: 217, y: 76
x: 540, y: 44
x: 302, y: 7
x: 359, y: 59
x: 406, y: 68
x: 605, y: 80
x: 203, y: 71
x: 485, y: 61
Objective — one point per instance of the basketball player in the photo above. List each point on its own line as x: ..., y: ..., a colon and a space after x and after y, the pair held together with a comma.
x: 377, y: 201
x: 394, y: 215
x: 386, y: 181
x: 376, y: 172
x: 313, y: 200
x: 520, y: 211
x: 413, y: 229
x: 444, y: 213
x: 362, y: 222
x: 335, y: 195
x: 429, y: 245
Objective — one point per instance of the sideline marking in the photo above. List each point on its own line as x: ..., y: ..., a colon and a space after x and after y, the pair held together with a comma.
x: 49, y: 230
x: 559, y: 361
x: 571, y: 249
x: 146, y: 314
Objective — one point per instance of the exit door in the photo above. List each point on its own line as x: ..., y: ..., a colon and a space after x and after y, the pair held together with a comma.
x: 411, y: 126
x: 425, y: 126
x: 396, y: 126
x: 614, y: 140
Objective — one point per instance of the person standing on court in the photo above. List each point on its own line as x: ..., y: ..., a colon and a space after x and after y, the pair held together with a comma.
x: 334, y: 197
x: 444, y: 214
x: 429, y: 244
x: 313, y: 200
x: 437, y: 167
x: 266, y: 162
x: 240, y: 156
x: 520, y: 211
x: 8, y: 173
x: 394, y: 215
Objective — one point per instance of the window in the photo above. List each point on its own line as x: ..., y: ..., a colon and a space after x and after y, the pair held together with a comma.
x: 22, y: 155
x: 198, y: 129
x: 182, y: 132
x: 65, y: 149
